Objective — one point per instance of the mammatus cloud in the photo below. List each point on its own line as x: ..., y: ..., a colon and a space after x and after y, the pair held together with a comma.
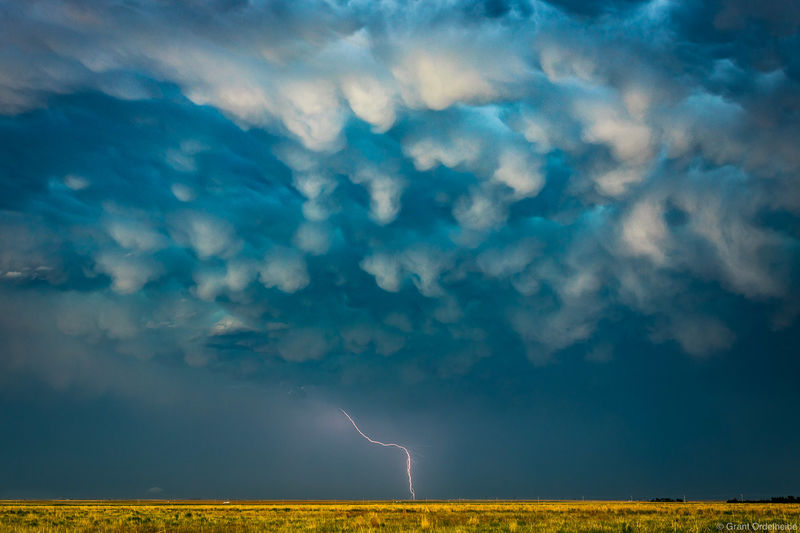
x: 318, y: 183
x: 284, y: 269
x: 206, y: 235
x: 384, y: 194
x: 370, y: 100
x: 697, y: 335
x: 128, y: 272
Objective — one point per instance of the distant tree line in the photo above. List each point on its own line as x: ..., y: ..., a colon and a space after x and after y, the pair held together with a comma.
x: 668, y: 500
x: 774, y: 499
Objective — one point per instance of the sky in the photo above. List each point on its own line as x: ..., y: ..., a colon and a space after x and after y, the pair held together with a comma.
x: 549, y: 246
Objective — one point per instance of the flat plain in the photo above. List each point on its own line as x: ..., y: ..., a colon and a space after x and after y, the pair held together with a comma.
x: 449, y: 516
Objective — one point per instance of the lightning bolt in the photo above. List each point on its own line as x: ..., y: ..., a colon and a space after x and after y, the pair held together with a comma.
x: 388, y: 445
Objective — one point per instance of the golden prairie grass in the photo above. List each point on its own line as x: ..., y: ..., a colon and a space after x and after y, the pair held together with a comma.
x: 512, y: 516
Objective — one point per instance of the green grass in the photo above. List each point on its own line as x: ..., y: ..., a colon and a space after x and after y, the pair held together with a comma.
x: 58, y: 516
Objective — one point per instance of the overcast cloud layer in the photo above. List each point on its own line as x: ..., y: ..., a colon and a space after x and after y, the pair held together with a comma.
x: 390, y: 194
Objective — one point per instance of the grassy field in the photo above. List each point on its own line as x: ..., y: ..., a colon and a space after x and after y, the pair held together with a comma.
x: 393, y: 516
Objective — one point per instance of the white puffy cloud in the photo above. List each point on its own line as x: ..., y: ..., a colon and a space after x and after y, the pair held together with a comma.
x: 422, y: 265
x: 384, y: 193
x: 227, y: 325
x: 742, y: 250
x: 371, y: 101
x: 644, y: 231
x: 697, y: 335
x: 479, y: 211
x: 207, y: 235
x: 235, y: 278
x: 313, y: 113
x: 428, y: 153
x: 630, y: 141
x: 284, y: 269
x: 317, y: 187
x: 520, y: 172
x: 438, y: 79
x: 506, y: 261
x: 129, y: 272
x: 425, y: 265
x: 135, y: 235
x: 312, y: 238
x: 385, y: 268
x: 617, y: 181
x: 561, y: 63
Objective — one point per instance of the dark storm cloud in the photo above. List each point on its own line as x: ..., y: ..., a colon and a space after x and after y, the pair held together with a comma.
x: 359, y: 194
